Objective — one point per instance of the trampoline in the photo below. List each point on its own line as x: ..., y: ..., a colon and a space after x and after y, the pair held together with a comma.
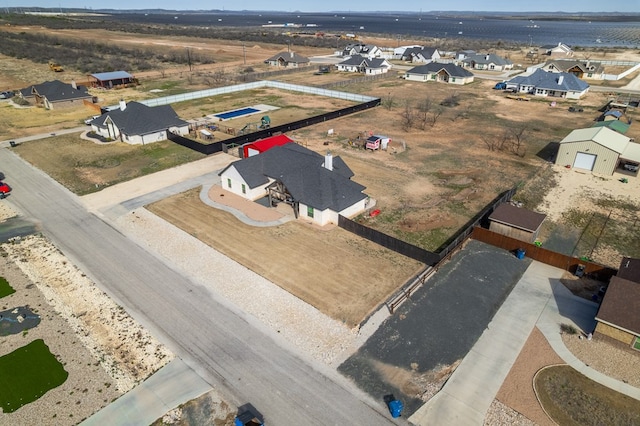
x: 236, y: 113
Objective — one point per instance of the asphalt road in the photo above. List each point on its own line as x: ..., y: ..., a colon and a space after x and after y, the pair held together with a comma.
x: 223, y: 345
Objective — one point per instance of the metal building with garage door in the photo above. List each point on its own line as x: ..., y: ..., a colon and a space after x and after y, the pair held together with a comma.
x: 597, y: 149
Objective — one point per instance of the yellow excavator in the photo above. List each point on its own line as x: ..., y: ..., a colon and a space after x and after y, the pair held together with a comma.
x: 55, y: 67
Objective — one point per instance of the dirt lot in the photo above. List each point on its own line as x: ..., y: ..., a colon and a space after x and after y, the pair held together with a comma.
x: 343, y: 276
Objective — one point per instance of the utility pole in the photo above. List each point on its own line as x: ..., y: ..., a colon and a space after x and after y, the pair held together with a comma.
x: 244, y: 54
x: 189, y: 58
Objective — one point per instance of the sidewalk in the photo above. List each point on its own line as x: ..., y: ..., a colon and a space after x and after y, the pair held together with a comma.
x: 538, y: 299
x: 172, y: 385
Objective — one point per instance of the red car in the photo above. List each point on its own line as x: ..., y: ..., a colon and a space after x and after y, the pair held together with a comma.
x: 4, y: 189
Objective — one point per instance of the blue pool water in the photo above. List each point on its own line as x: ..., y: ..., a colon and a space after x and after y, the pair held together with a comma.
x: 236, y: 113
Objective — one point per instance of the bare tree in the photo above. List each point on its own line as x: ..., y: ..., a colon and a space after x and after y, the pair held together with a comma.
x: 424, y: 107
x: 408, y: 116
x: 389, y: 102
x: 435, y: 115
x: 518, y: 137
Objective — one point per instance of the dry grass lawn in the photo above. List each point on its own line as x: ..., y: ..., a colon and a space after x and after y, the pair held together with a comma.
x: 340, y: 274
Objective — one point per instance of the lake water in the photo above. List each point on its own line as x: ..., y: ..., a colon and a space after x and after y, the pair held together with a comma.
x: 539, y: 32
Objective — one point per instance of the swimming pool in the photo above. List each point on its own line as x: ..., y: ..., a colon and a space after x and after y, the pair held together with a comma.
x: 236, y: 113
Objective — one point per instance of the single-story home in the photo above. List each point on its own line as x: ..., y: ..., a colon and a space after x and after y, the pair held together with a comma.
x: 319, y: 188
x: 288, y: 60
x: 264, y: 145
x: 598, y: 149
x: 619, y: 314
x: 138, y: 124
x: 108, y: 80
x: 489, y: 62
x: 559, y: 49
x: 369, y: 51
x: 420, y: 54
x: 56, y: 94
x: 543, y: 83
x: 516, y: 222
x: 435, y: 71
x: 364, y: 65
x: 582, y: 69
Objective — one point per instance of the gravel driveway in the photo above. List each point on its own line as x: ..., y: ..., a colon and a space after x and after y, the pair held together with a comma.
x: 437, y: 327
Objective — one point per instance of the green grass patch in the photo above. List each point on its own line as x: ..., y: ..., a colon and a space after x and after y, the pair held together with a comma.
x: 84, y: 167
x: 573, y: 399
x: 636, y: 345
x: 28, y: 373
x: 5, y: 288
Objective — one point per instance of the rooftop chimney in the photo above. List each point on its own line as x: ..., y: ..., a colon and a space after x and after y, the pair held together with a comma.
x: 123, y: 105
x: 328, y: 161
x: 73, y: 84
x: 486, y: 58
x: 560, y: 80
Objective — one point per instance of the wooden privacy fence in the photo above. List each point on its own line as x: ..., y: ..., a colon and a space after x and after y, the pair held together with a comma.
x: 559, y: 260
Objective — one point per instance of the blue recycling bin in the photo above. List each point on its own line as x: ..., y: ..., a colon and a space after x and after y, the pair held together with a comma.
x: 520, y: 253
x: 395, y: 408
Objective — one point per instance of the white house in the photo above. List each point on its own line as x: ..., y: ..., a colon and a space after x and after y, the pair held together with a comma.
x: 543, y: 83
x: 288, y: 60
x: 369, y: 51
x: 488, y: 62
x: 421, y: 54
x: 560, y: 49
x: 434, y: 71
x: 138, y: 124
x: 364, y: 65
x: 591, y: 70
x: 318, y: 188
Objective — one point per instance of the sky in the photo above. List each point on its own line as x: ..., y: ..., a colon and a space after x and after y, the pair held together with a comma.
x: 341, y: 5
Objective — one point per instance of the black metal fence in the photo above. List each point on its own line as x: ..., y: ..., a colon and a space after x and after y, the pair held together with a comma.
x: 414, y: 252
x: 265, y: 133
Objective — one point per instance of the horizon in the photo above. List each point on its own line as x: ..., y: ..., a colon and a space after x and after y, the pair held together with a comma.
x: 331, y: 6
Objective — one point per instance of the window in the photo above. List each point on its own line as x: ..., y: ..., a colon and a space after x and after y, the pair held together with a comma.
x: 244, y: 189
x: 228, y: 183
x: 433, y: 76
x: 310, y: 212
x: 453, y: 79
x: 590, y: 75
x: 636, y: 344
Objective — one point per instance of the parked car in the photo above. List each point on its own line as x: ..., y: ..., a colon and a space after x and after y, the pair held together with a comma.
x: 4, y: 189
x: 7, y: 94
x: 500, y: 86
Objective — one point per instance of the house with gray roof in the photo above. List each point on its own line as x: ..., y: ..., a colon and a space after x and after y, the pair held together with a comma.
x: 435, y: 71
x: 559, y: 49
x: 138, y: 124
x: 56, y: 94
x: 487, y: 62
x: 369, y: 51
x: 318, y: 188
x: 543, y: 83
x: 364, y: 65
x: 591, y: 70
x: 421, y: 54
x: 288, y: 60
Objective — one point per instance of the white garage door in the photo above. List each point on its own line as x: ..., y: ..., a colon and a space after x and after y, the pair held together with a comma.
x: 584, y: 161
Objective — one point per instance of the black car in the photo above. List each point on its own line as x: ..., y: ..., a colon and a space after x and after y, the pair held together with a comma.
x: 6, y: 95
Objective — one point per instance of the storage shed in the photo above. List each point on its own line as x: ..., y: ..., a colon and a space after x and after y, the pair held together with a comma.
x: 619, y: 314
x: 597, y: 149
x: 375, y: 142
x: 258, y: 147
x: 112, y: 79
x: 516, y: 222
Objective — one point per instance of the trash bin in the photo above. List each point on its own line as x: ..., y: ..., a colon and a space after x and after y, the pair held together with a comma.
x: 520, y: 253
x: 579, y: 270
x: 395, y: 408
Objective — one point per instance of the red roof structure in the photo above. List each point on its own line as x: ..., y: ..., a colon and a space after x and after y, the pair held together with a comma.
x: 263, y: 145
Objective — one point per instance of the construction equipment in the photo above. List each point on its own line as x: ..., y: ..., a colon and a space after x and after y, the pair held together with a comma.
x: 53, y: 66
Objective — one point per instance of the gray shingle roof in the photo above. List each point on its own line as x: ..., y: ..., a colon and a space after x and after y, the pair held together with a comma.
x: 560, y: 81
x: 490, y: 58
x: 435, y: 67
x: 517, y: 217
x: 56, y: 91
x: 292, y: 57
x: 361, y: 61
x: 621, y: 305
x: 113, y: 75
x: 303, y: 174
x: 139, y: 119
